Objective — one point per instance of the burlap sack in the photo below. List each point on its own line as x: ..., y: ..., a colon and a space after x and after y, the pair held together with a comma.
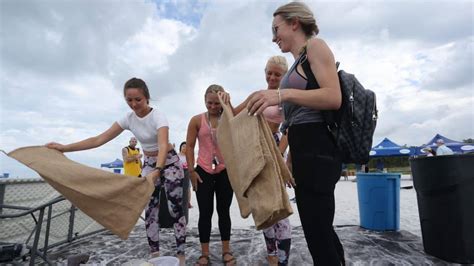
x: 224, y: 139
x: 255, y: 166
x: 113, y: 200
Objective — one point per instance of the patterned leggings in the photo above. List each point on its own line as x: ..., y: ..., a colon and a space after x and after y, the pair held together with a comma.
x: 278, y: 240
x: 173, y: 186
x: 278, y: 236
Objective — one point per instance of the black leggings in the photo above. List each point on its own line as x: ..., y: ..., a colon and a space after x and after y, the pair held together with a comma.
x: 316, y: 169
x: 218, y: 183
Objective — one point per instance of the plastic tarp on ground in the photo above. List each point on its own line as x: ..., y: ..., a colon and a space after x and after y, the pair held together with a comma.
x: 457, y: 146
x: 115, y: 164
x: 388, y: 148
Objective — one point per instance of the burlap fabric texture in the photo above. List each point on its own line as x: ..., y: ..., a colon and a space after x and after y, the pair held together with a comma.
x: 255, y: 167
x: 113, y: 200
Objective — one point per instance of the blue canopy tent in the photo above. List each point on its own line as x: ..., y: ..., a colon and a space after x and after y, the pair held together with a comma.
x: 456, y: 146
x: 388, y: 148
x: 115, y: 164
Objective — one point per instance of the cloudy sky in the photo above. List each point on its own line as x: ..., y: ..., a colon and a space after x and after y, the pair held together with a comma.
x: 63, y: 64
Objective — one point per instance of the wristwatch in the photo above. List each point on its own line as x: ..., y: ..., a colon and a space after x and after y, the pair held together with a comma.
x: 160, y: 169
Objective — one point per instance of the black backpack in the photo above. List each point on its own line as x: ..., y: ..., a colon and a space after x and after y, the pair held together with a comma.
x: 353, y: 125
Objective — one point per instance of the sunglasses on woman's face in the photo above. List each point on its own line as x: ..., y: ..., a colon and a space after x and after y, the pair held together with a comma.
x: 275, y: 28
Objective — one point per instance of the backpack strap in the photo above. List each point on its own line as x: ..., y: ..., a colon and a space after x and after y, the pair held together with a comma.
x: 311, y: 84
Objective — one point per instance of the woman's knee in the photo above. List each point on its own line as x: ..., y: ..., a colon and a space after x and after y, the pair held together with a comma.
x: 223, y: 211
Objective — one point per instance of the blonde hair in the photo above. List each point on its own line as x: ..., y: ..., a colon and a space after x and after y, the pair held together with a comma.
x: 214, y: 88
x: 278, y: 60
x: 301, y: 12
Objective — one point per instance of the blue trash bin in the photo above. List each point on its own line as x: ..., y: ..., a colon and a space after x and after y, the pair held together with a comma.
x: 117, y: 171
x: 379, y: 201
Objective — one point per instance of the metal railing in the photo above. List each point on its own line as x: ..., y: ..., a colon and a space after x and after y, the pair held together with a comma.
x: 37, y: 214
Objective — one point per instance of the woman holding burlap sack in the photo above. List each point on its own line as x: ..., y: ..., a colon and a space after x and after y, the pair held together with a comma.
x: 161, y: 161
x: 315, y: 158
x: 210, y: 176
x: 278, y: 236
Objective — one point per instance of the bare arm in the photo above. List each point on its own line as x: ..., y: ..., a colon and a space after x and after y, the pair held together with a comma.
x: 327, y: 97
x: 289, y: 162
x: 130, y: 158
x: 140, y: 159
x: 125, y: 156
x: 89, y: 143
x: 191, y: 137
x: 283, y: 143
x: 163, y: 140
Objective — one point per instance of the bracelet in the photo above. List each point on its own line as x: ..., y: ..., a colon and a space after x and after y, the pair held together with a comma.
x: 279, y: 99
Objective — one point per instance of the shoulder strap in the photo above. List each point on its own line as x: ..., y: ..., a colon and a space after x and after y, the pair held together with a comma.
x: 312, y: 83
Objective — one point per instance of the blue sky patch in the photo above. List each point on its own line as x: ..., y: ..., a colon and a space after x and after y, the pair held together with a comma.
x: 187, y: 11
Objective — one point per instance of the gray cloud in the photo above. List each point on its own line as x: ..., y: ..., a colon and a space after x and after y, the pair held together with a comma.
x: 63, y: 63
x: 219, y: 44
x: 458, y: 70
x: 66, y: 37
x: 426, y: 21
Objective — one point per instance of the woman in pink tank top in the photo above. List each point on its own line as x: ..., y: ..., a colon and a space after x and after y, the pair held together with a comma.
x: 209, y: 177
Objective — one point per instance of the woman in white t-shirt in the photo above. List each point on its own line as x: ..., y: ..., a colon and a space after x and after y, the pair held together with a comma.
x: 161, y: 161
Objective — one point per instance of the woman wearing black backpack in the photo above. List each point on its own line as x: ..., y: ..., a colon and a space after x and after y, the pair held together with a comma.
x: 315, y: 158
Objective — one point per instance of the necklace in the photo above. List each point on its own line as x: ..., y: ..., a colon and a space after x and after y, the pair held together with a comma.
x: 214, y: 160
x: 208, y: 116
